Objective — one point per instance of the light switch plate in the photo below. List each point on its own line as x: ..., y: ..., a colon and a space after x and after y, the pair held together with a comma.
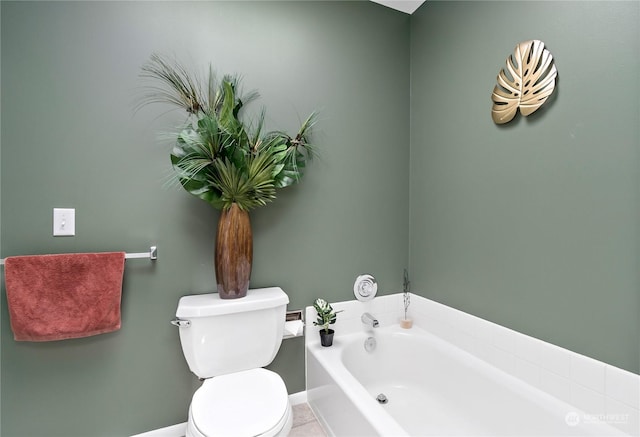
x: 64, y: 222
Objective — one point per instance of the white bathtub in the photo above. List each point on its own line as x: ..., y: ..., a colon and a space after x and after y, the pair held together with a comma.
x: 433, y: 389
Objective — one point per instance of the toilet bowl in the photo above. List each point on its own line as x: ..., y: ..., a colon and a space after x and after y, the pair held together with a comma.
x: 250, y: 403
x: 227, y: 343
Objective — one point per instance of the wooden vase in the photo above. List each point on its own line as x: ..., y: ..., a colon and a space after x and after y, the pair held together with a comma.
x: 234, y: 253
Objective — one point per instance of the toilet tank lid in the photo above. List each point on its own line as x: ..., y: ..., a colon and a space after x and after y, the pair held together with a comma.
x: 203, y: 305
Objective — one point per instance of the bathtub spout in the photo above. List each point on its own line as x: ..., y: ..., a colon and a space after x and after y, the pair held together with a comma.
x: 368, y: 319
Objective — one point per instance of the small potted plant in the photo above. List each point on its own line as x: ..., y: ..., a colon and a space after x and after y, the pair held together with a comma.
x: 406, y: 322
x: 326, y: 317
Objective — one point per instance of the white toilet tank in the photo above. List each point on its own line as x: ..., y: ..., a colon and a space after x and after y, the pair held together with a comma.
x: 231, y: 335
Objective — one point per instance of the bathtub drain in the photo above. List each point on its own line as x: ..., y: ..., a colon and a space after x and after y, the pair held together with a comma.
x: 382, y: 399
x: 370, y: 344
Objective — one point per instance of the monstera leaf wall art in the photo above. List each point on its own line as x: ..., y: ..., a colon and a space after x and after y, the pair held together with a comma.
x: 526, y: 82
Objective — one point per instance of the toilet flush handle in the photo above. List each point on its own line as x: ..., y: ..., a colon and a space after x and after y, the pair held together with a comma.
x: 181, y: 323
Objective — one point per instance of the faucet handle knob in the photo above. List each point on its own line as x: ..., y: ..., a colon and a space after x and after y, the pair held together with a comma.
x: 365, y: 288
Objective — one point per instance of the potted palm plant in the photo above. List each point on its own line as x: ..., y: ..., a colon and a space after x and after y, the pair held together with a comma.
x: 233, y: 164
x: 326, y: 316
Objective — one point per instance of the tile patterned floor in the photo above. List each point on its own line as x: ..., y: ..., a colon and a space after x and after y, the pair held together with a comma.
x: 305, y: 423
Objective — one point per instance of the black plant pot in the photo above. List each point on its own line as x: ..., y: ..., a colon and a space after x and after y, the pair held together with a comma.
x: 326, y: 338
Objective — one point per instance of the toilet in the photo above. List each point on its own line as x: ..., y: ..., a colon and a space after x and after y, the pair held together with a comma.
x: 226, y: 342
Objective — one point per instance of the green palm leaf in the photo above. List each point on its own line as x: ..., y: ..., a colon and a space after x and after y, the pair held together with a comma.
x: 224, y: 159
x: 248, y: 189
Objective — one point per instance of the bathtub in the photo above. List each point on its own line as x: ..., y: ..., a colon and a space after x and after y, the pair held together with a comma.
x: 432, y: 388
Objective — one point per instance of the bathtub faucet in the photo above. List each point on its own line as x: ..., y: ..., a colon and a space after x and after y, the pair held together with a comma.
x: 368, y: 319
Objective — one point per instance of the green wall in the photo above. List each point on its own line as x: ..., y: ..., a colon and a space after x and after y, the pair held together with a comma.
x: 532, y: 225
x: 70, y: 139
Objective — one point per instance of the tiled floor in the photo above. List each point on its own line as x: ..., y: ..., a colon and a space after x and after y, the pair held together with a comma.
x: 305, y: 423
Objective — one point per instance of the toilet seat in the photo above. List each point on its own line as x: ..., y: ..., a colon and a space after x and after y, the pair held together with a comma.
x: 249, y: 403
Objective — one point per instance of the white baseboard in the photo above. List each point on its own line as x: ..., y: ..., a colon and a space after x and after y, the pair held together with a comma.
x: 298, y: 398
x: 180, y: 429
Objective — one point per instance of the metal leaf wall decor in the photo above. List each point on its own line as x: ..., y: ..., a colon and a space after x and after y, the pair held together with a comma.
x: 526, y: 82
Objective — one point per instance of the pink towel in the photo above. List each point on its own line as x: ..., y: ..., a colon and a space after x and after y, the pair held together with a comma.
x: 55, y: 297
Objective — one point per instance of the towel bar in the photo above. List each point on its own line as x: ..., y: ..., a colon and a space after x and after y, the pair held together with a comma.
x: 151, y: 254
